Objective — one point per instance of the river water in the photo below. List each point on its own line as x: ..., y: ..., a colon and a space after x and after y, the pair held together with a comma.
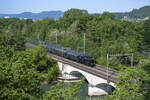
x: 83, y: 92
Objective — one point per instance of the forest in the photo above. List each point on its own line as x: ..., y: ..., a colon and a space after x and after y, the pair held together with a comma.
x: 135, y: 14
x: 22, y: 70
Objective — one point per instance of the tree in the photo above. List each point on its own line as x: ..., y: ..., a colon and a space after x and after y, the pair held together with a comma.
x: 74, y: 13
x: 22, y: 72
x: 64, y: 91
x: 108, y: 15
x: 146, y: 40
x: 133, y: 84
x: 145, y: 63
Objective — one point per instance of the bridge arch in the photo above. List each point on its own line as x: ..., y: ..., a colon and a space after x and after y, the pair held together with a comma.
x: 105, y: 87
x: 79, y: 74
x: 97, y: 85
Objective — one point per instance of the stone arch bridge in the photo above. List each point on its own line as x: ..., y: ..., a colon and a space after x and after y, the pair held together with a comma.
x: 100, y: 80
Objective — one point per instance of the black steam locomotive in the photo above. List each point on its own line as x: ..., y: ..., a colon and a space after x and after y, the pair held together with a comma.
x: 80, y: 57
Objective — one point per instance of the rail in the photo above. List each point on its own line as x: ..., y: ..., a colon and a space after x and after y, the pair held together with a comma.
x: 98, y: 70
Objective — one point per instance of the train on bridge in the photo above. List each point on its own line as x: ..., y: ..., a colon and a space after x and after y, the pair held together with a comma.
x: 80, y: 57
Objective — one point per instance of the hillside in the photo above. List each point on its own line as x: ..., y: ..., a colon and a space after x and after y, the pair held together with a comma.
x: 29, y: 15
x: 140, y: 13
x: 135, y: 14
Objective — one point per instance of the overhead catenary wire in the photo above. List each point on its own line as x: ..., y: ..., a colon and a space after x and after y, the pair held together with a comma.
x: 117, y: 55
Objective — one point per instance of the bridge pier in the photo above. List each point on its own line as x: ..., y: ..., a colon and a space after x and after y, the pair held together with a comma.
x: 95, y: 91
x: 65, y: 77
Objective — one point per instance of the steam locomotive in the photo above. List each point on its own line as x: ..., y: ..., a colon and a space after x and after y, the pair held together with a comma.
x: 80, y: 57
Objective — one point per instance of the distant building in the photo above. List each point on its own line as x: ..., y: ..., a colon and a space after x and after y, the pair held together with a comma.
x: 25, y: 18
x: 139, y: 20
x: 124, y: 17
x: 6, y: 17
x: 146, y: 18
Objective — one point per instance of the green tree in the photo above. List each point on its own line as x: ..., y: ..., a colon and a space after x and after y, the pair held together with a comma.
x: 64, y: 91
x: 22, y: 72
x: 107, y: 15
x: 74, y: 13
x: 133, y: 84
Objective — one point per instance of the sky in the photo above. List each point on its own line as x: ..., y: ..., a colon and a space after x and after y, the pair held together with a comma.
x: 92, y: 6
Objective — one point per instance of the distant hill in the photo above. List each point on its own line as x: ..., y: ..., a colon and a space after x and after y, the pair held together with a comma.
x: 135, y: 14
x: 29, y: 15
x: 140, y: 13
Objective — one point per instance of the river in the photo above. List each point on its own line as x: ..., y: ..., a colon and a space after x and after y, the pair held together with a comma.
x: 83, y: 92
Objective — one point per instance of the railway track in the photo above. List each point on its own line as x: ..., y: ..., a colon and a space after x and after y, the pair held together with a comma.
x: 106, y: 70
x: 92, y: 70
x: 98, y: 70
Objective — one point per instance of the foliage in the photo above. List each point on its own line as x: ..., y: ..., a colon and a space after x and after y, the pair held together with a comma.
x: 146, y: 41
x: 74, y: 12
x: 20, y: 71
x: 64, y: 91
x: 133, y: 84
x: 145, y: 63
x: 103, y: 33
x: 23, y: 70
x: 135, y: 13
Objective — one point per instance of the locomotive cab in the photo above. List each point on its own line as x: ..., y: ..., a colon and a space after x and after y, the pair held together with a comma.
x: 87, y: 59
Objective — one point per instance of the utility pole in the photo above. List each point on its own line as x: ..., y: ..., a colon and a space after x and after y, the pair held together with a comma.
x: 84, y: 43
x: 56, y: 38
x: 84, y: 38
x: 39, y: 38
x: 62, y: 51
x: 107, y: 68
x: 132, y: 60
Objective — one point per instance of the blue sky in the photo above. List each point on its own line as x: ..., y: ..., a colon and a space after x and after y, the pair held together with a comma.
x: 93, y: 6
